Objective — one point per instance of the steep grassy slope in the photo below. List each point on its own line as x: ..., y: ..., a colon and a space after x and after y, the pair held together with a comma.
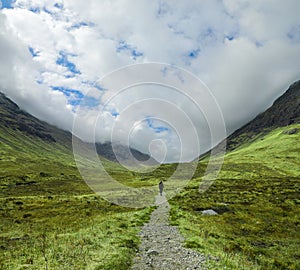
x: 257, y: 197
x: 49, y: 218
x: 35, y: 158
x: 284, y: 111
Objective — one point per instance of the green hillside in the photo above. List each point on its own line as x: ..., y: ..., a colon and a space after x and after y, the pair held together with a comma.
x: 49, y: 218
x: 257, y: 198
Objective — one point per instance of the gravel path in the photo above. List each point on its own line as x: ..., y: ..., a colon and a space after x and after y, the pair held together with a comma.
x: 162, y: 244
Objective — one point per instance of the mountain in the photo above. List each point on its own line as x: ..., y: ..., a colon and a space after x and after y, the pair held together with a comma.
x: 284, y: 111
x: 47, y: 208
x: 35, y: 157
x: 255, y: 195
x: 14, y: 119
x: 123, y: 154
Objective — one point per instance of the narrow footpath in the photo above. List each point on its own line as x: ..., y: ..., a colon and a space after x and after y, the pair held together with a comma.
x: 162, y: 245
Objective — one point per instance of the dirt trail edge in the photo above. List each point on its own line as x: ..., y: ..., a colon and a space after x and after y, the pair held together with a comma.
x: 162, y: 244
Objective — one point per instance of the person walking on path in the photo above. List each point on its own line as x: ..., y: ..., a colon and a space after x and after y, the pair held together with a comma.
x: 161, y: 187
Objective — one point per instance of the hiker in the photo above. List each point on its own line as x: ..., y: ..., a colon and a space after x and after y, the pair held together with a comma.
x: 161, y: 187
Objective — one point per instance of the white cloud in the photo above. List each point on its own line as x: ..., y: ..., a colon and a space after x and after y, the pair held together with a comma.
x: 247, y: 52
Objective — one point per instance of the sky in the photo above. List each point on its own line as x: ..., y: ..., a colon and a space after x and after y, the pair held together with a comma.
x: 55, y: 54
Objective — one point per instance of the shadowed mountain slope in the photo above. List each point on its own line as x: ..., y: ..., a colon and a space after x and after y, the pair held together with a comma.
x: 16, y: 120
x: 284, y: 111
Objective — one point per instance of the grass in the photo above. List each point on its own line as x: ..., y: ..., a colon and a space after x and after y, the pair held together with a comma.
x: 257, y: 198
x: 50, y: 219
x: 71, y: 232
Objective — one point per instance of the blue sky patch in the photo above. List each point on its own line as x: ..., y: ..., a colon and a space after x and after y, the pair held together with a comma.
x: 69, y: 76
x: 123, y: 46
x: 194, y: 53
x: 48, y: 11
x: 68, y: 91
x: 136, y: 54
x: 33, y: 52
x: 35, y: 9
x: 74, y: 102
x: 7, y: 3
x: 230, y: 37
x: 38, y: 10
x: 82, y: 24
x: 157, y: 127
x: 64, y: 61
x: 89, y: 102
x: 59, y: 5
x: 93, y: 84
x: 114, y: 114
x: 85, y: 102
x: 76, y: 98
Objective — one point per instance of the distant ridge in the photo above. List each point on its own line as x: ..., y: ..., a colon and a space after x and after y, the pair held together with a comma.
x: 123, y: 154
x: 13, y: 118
